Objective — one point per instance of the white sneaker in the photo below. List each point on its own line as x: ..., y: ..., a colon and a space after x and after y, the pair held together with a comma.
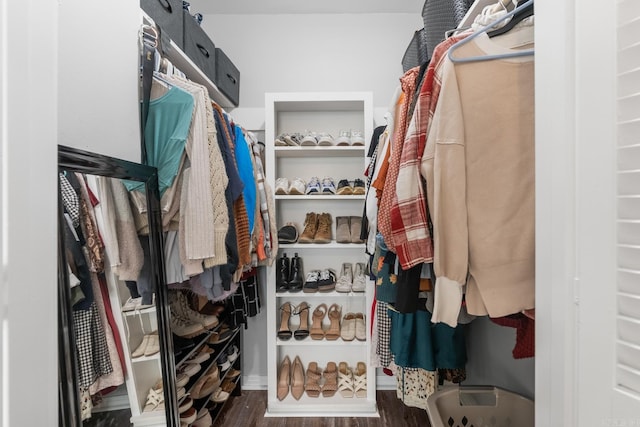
x: 282, y: 186
x: 344, y: 138
x: 281, y: 141
x: 325, y: 139
x: 298, y: 186
x: 328, y: 186
x: 357, y: 138
x: 131, y: 304
x: 345, y: 279
x: 359, y: 279
x: 309, y: 139
x: 313, y: 187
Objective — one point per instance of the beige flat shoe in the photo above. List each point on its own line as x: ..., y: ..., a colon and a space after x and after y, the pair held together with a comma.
x: 348, y: 329
x: 360, y: 327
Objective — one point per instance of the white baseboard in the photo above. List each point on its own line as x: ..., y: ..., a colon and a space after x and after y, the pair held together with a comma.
x: 259, y: 382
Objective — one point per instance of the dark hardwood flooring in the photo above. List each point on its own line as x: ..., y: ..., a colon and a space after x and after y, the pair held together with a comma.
x: 248, y: 410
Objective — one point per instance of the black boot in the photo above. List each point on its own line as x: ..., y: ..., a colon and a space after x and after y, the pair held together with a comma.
x: 296, y: 277
x: 282, y: 273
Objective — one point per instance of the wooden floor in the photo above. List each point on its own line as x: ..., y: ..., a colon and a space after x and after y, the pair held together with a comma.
x: 248, y: 411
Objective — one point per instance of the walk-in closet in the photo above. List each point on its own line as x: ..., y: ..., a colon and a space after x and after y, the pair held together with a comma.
x: 286, y: 213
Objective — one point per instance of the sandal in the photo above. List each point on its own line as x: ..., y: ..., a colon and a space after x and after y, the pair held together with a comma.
x: 303, y: 330
x: 284, y: 333
x: 317, y: 333
x: 334, y: 314
x: 312, y: 385
x: 345, y: 380
x: 348, y: 330
x: 360, y: 380
x: 330, y: 375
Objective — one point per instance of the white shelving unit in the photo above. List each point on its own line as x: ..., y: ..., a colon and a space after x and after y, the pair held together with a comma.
x: 319, y: 112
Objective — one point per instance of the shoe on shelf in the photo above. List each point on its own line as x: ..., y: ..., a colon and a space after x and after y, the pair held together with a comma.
x: 327, y: 280
x: 153, y: 344
x: 180, y: 305
x: 182, y: 327
x: 232, y: 353
x: 344, y: 138
x: 200, y: 356
x: 292, y: 139
x: 328, y: 186
x: 190, y: 369
x: 181, y: 392
x: 309, y: 139
x: 313, y: 187
x: 131, y: 304
x: 155, y: 398
x: 359, y: 279
x: 185, y: 405
x: 219, y: 395
x: 323, y: 233
x: 139, y: 351
x: 357, y: 138
x: 223, y: 362
x: 282, y: 186
x: 296, y: 274
x: 360, y: 380
x: 311, y: 282
x: 297, y: 378
x: 228, y: 386
x: 343, y: 229
x: 348, y: 329
x: 284, y: 378
x: 355, y: 226
x: 334, y: 314
x: 233, y: 373
x: 345, y: 279
x: 297, y: 186
x: 204, y: 419
x: 361, y: 327
x: 281, y: 140
x: 284, y: 332
x: 207, y: 383
x: 288, y: 233
x: 325, y: 139
x: 316, y: 332
x: 312, y: 383
x: 181, y: 379
x: 344, y: 188
x: 188, y: 416
x: 345, y: 380
x: 303, y: 329
x: 358, y: 186
x: 330, y: 375
x: 310, y: 228
x: 283, y: 271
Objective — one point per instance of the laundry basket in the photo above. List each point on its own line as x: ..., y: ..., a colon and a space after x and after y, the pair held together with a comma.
x: 479, y: 407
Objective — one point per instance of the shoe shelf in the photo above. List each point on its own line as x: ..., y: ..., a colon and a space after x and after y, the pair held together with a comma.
x: 202, y: 339
x: 153, y: 357
x: 328, y: 295
x: 322, y: 343
x: 320, y: 198
x: 333, y: 151
x: 332, y: 245
x: 144, y: 311
x: 332, y: 113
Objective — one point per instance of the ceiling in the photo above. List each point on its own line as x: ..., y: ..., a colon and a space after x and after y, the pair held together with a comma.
x: 259, y: 7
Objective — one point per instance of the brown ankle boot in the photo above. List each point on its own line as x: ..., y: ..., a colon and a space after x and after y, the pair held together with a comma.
x: 323, y: 233
x: 310, y: 227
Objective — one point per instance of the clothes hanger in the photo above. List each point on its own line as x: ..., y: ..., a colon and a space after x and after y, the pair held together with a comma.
x: 521, y: 14
x: 466, y: 40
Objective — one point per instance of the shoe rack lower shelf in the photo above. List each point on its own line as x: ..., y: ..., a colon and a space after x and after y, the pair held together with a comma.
x: 322, y: 343
x: 323, y: 407
x: 332, y: 245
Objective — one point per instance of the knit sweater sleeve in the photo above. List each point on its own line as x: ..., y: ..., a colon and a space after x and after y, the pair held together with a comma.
x: 445, y: 172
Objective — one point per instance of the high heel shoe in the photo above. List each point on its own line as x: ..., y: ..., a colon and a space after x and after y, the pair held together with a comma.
x: 284, y: 333
x: 284, y: 378
x: 334, y: 315
x: 303, y: 330
x: 317, y: 333
x: 297, y: 379
x: 312, y: 384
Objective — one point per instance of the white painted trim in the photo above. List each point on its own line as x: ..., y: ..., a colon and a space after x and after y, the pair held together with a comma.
x: 254, y: 382
x: 555, y: 213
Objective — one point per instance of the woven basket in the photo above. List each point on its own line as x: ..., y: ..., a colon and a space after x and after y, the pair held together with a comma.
x: 416, y: 53
x: 440, y: 16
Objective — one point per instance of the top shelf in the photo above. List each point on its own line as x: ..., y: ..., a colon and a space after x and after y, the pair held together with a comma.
x: 319, y: 101
x: 183, y: 63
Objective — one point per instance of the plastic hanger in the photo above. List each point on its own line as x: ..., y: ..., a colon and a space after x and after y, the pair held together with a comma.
x: 521, y: 14
x: 520, y: 53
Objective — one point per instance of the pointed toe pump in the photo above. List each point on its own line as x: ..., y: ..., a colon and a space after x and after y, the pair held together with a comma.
x: 284, y: 333
x: 284, y: 378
